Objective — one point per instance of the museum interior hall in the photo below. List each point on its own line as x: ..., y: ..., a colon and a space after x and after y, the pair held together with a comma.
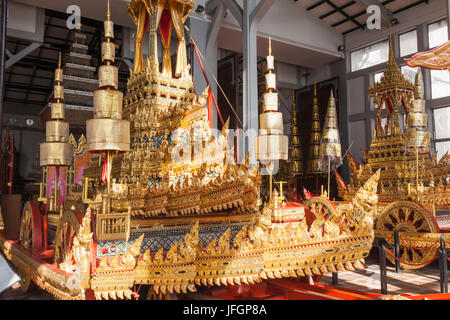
x: 224, y: 149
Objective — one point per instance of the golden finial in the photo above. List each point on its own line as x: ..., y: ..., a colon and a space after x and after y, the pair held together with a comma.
x: 331, y: 99
x: 270, y: 46
x: 293, y: 97
x: 391, y: 50
x: 108, y: 13
x: 418, y: 92
x: 59, y: 62
x: 315, y: 89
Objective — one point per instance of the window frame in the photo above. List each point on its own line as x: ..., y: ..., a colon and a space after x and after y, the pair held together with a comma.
x: 400, y: 42
x: 368, y: 76
x: 365, y: 47
x: 428, y: 31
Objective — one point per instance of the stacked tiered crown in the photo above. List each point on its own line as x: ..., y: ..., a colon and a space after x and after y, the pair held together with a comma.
x: 56, y: 150
x: 330, y: 145
x: 295, y: 151
x: 314, y: 141
x: 271, y: 144
x: 417, y: 136
x: 107, y: 131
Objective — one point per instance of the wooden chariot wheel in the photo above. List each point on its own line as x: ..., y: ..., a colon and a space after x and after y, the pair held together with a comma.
x: 68, y: 227
x: 411, y: 217
x: 30, y: 237
x: 321, y: 207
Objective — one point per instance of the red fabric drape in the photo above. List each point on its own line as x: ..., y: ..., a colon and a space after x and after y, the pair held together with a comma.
x: 164, y: 25
x: 105, y: 169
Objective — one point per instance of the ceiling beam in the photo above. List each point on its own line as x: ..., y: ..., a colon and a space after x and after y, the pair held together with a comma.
x: 357, y: 15
x: 19, y: 56
x: 348, y: 4
x: 385, y: 14
x: 345, y: 14
x: 235, y: 10
x: 261, y: 9
x: 84, y: 21
x: 315, y: 5
x: 384, y: 3
x: 214, y: 28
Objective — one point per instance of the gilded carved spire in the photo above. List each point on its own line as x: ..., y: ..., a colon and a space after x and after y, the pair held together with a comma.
x: 392, y: 77
x: 108, y: 12
x: 295, y: 151
x: 417, y: 136
x: 107, y: 131
x: 418, y: 91
x: 314, y: 141
x: 56, y: 150
x: 272, y: 144
x: 330, y: 144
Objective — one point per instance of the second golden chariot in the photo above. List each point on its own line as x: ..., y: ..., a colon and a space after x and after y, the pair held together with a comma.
x: 414, y: 187
x: 151, y: 197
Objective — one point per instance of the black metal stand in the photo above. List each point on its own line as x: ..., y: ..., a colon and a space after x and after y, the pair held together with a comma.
x: 397, y: 251
x: 443, y: 269
x: 334, y: 279
x: 383, y: 271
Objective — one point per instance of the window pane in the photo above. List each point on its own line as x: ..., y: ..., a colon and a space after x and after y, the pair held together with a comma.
x: 377, y: 76
x: 442, y: 148
x: 440, y: 84
x: 441, y: 123
x: 357, y: 130
x: 437, y: 33
x: 408, y: 43
x: 370, y: 56
x: 409, y: 73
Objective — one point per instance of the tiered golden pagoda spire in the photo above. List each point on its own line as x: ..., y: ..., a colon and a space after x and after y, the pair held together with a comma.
x: 107, y: 132
x: 56, y: 151
x: 271, y: 144
x: 330, y: 155
x: 295, y: 149
x: 314, y: 141
x: 392, y: 91
x: 330, y: 144
x: 417, y: 136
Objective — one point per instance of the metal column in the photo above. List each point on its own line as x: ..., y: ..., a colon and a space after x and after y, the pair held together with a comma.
x: 3, y: 17
x: 252, y: 14
x: 250, y: 77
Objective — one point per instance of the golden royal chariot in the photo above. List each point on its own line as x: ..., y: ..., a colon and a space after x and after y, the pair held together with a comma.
x: 150, y: 197
x: 414, y: 187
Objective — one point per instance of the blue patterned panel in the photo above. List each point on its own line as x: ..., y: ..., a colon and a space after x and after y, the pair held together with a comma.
x: 163, y: 238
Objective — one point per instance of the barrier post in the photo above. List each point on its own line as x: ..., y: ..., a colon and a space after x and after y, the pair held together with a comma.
x: 397, y: 251
x: 334, y: 279
x: 383, y: 272
x: 443, y: 269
